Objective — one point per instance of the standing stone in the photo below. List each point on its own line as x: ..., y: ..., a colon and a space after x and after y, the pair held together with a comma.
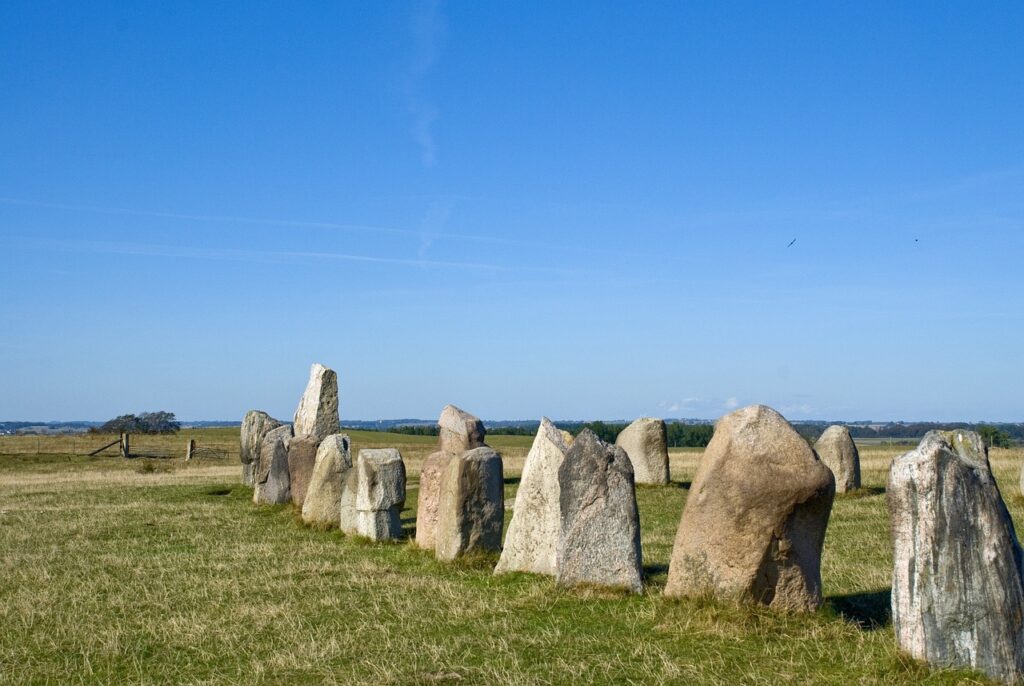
x: 317, y: 413
x: 600, y: 525
x: 375, y: 494
x: 459, y: 432
x: 255, y: 426
x: 839, y: 453
x: 531, y: 544
x: 957, y: 595
x: 322, y: 506
x: 272, y: 482
x: 646, y: 443
x: 471, y: 510
x: 755, y: 519
x: 301, y: 458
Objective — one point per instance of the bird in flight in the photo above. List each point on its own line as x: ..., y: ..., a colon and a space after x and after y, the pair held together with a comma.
x: 791, y: 242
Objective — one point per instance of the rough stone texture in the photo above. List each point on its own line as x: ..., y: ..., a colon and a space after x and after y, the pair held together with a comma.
x: 646, y: 443
x: 301, y: 458
x: 322, y: 506
x: 839, y: 453
x: 755, y: 519
x: 255, y: 426
x: 600, y: 525
x: 531, y: 544
x: 957, y: 595
x: 471, y: 511
x: 272, y: 482
x: 317, y: 413
x: 459, y: 431
x: 374, y: 495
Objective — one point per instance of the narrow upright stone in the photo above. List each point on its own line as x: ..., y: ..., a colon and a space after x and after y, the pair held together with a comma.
x: 755, y: 519
x: 471, y: 511
x: 255, y: 426
x: 600, y: 524
x: 839, y: 453
x: 322, y: 506
x: 272, y: 481
x: 317, y: 413
x: 373, y: 508
x: 957, y: 594
x: 531, y: 544
x: 646, y: 443
x: 301, y: 458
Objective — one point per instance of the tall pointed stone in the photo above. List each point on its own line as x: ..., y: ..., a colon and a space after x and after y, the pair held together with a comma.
x: 531, y: 544
x: 754, y: 522
x: 255, y: 426
x: 471, y: 509
x: 839, y: 453
x: 957, y: 593
x: 317, y: 413
x: 273, y: 485
x: 322, y: 506
x: 646, y: 443
x: 599, y: 541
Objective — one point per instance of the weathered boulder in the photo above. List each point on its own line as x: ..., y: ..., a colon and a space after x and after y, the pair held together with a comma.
x: 322, y: 505
x: 459, y: 431
x: 531, y: 544
x: 272, y: 481
x: 839, y: 453
x: 471, y: 511
x: 374, y: 495
x: 755, y: 519
x: 255, y: 426
x: 317, y: 413
x: 646, y: 443
x: 957, y: 594
x: 599, y: 541
x: 301, y: 457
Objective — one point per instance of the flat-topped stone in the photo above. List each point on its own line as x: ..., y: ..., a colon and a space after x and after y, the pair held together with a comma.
x: 471, y: 511
x: 374, y: 495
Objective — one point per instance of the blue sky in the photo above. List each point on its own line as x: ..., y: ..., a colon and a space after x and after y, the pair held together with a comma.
x: 580, y: 210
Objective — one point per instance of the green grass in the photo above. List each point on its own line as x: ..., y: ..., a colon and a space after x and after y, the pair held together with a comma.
x: 115, y: 574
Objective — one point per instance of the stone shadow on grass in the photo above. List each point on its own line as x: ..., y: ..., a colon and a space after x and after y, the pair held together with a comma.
x: 512, y: 480
x: 870, y: 611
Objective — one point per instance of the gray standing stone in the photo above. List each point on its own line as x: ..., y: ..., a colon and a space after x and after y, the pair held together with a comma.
x: 255, y: 426
x: 600, y: 524
x: 839, y: 453
x: 531, y: 544
x: 755, y: 519
x: 646, y: 443
x: 373, y: 508
x: 272, y: 481
x: 957, y: 594
x: 317, y: 413
x: 459, y: 432
x: 301, y: 457
x: 471, y: 511
x: 322, y: 506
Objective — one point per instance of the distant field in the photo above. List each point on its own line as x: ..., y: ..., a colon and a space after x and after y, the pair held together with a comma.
x: 161, y: 571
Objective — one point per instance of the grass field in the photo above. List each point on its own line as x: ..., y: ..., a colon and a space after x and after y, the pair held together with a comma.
x: 161, y: 571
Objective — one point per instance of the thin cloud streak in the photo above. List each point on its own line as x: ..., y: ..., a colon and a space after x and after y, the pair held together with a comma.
x: 427, y: 34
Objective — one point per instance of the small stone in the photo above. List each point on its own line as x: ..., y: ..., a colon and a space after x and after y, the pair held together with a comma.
x: 531, y: 544
x: 600, y: 524
x: 471, y: 511
x: 374, y: 495
x: 646, y: 443
x: 322, y: 506
x: 301, y: 458
x: 255, y: 426
x: 272, y: 480
x: 839, y: 453
x: 957, y: 591
x: 459, y: 431
x: 317, y: 413
x: 755, y: 519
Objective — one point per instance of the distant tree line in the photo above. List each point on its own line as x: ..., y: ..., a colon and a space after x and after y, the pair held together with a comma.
x: 679, y: 435
x: 994, y: 435
x: 144, y: 423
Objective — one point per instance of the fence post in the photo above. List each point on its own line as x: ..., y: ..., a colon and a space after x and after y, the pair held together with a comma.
x: 125, y: 447
x: 190, y: 449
